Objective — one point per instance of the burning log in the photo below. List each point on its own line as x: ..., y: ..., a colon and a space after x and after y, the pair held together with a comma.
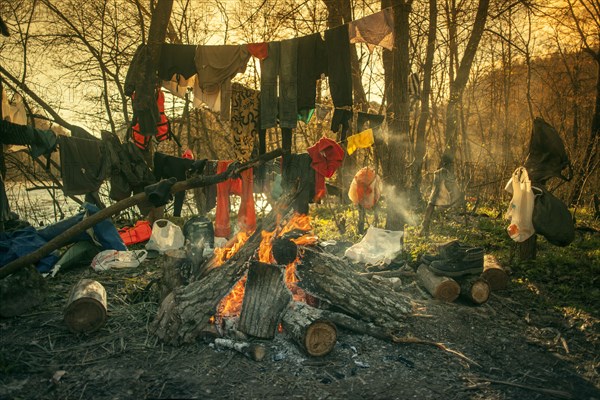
x: 253, y: 351
x: 475, y: 289
x: 330, y: 278
x: 440, y: 287
x: 493, y: 273
x: 185, y: 312
x: 86, y: 307
x: 307, y: 327
x: 265, y: 299
x: 284, y: 251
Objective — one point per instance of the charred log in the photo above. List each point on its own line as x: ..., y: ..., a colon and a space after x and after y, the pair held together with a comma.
x: 331, y: 279
x: 265, y: 299
x: 284, y: 251
x: 253, y: 351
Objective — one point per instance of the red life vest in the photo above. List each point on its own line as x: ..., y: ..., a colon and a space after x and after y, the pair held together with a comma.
x: 163, y: 128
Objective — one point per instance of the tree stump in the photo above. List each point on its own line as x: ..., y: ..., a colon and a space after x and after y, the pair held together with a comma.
x: 173, y: 274
x: 528, y: 249
x: 331, y: 279
x: 86, y: 307
x: 265, y: 299
x: 493, y: 273
x: 307, y: 327
x: 475, y: 289
x: 440, y: 287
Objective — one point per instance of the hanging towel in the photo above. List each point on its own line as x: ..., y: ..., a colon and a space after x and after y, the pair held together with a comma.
x: 259, y: 50
x: 83, y: 164
x: 374, y: 30
x: 243, y: 187
x: 244, y: 120
x: 361, y: 140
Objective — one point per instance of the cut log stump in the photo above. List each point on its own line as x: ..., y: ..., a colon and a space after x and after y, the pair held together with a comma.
x: 440, y: 287
x: 474, y: 289
x: 307, y: 327
x: 86, y: 307
x: 173, y: 274
x: 493, y: 273
x: 265, y: 299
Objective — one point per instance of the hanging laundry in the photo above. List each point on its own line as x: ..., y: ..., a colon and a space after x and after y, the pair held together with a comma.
x: 83, y: 164
x: 362, y: 140
x: 242, y: 187
x: 216, y: 65
x: 210, y: 98
x: 327, y: 156
x: 341, y: 119
x: 288, y: 84
x: 14, y: 111
x: 374, y: 30
x: 259, y: 50
x: 367, y: 120
x: 140, y: 80
x: 41, y: 141
x: 365, y: 188
x: 269, y: 71
x: 166, y: 166
x: 338, y: 66
x: 177, y: 59
x: 547, y: 156
x: 312, y: 62
x: 163, y: 127
x: 245, y: 103
x: 296, y: 170
x: 178, y: 85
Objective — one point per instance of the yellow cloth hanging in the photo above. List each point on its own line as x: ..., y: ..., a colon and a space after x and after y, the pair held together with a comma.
x: 361, y: 140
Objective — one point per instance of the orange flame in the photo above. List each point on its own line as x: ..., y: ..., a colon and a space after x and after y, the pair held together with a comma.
x: 231, y: 305
x: 224, y: 253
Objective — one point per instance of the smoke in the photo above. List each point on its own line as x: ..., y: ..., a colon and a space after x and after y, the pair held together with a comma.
x: 398, y: 201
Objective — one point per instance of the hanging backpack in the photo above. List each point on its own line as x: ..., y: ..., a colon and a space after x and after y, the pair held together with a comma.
x: 552, y: 218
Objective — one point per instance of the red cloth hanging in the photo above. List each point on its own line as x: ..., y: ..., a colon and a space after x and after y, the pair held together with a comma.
x: 259, y: 50
x: 327, y: 156
x: 243, y: 187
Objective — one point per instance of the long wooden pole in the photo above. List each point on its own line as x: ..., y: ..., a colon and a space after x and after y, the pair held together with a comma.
x: 197, y: 181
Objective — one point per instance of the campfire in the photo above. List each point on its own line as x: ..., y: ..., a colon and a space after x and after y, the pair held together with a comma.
x: 296, y: 232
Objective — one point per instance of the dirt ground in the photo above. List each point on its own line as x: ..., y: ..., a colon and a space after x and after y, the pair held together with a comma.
x: 509, y: 348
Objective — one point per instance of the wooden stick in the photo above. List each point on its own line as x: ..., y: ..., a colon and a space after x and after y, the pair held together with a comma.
x: 388, y: 274
x: 197, y: 181
x: 253, y: 351
x: 556, y: 393
x: 441, y: 346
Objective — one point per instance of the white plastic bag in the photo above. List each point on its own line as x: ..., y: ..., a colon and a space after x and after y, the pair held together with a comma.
x: 520, y: 210
x: 165, y: 236
x: 109, y: 259
x: 378, y: 246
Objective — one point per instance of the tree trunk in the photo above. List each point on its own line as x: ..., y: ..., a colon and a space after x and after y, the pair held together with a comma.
x: 86, y: 307
x: 457, y: 86
x: 307, y: 327
x: 417, y: 166
x: 177, y: 270
x: 331, y: 279
x: 396, y: 66
x: 440, y: 287
x: 265, y: 299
